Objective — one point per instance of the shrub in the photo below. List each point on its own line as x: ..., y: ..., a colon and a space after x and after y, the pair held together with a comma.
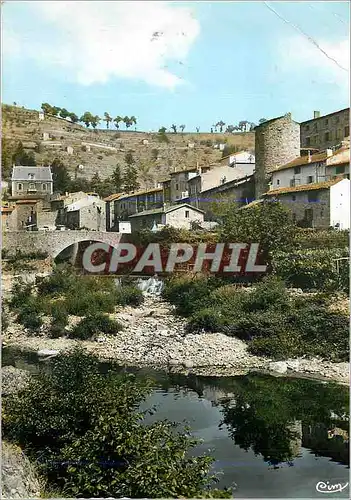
x: 79, y: 304
x: 59, y: 321
x: 248, y: 326
x: 21, y: 291
x: 57, y: 283
x: 129, y: 296
x: 271, y: 292
x: 94, y: 324
x: 91, y: 440
x: 210, y: 320
x: 278, y: 347
x: 29, y: 319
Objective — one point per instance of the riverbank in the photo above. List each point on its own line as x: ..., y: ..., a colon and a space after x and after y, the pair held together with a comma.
x: 154, y: 337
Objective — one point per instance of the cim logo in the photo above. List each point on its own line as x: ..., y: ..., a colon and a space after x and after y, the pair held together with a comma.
x: 218, y: 258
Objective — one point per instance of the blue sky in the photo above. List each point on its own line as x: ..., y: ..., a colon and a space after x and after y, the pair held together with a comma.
x: 191, y: 63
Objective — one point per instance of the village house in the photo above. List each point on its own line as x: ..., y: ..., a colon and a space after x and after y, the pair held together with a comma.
x: 326, y: 131
x: 176, y: 188
x: 317, y: 205
x: 31, y: 182
x: 178, y: 216
x: 309, y: 169
x: 239, y: 190
x: 87, y: 213
x: 111, y: 215
x: 132, y: 203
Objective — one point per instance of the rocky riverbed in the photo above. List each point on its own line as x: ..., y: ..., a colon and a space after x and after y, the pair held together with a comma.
x: 154, y: 336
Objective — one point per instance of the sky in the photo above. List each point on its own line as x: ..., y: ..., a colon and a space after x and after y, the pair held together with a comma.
x: 191, y: 63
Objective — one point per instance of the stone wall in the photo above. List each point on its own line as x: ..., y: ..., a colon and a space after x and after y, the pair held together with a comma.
x: 326, y: 131
x: 276, y: 142
x: 52, y: 242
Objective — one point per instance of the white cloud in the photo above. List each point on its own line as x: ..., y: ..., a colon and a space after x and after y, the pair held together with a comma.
x: 301, y: 58
x: 93, y: 42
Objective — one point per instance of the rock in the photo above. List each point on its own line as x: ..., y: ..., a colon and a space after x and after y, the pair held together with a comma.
x: 13, y: 379
x: 101, y: 339
x: 278, y: 366
x: 188, y: 364
x: 293, y: 364
x: 43, y: 353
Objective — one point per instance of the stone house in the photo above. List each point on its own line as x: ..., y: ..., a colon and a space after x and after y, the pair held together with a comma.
x: 179, y: 216
x: 176, y: 188
x: 239, y: 190
x: 132, y: 203
x: 111, y: 215
x: 88, y: 213
x: 317, y: 205
x: 31, y: 181
x: 326, y: 131
x: 215, y: 177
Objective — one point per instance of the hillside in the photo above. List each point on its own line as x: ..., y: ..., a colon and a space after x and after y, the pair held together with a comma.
x: 101, y: 150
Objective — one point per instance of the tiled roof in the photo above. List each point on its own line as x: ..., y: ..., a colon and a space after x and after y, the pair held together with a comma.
x: 137, y: 193
x: 164, y: 210
x: 113, y: 197
x: 325, y: 116
x: 303, y: 160
x: 20, y: 173
x: 304, y: 187
x: 25, y: 202
x: 7, y: 209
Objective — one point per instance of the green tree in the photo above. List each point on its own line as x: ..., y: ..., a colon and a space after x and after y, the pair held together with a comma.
x: 182, y: 127
x: 46, y: 107
x: 64, y: 113
x: 230, y: 129
x: 21, y: 157
x: 174, y: 128
x: 162, y: 130
x: 268, y: 223
x: 129, y: 158
x: 60, y: 176
x: 133, y: 120
x: 87, y: 118
x: 107, y: 119
x: 117, y: 121
x: 6, y: 159
x: 117, y: 179
x: 91, y: 440
x: 55, y: 110
x: 74, y: 118
x: 95, y: 120
x: 130, y: 178
x: 220, y: 124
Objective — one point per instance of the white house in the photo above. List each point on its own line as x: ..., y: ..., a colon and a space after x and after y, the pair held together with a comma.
x: 178, y: 216
x: 309, y: 169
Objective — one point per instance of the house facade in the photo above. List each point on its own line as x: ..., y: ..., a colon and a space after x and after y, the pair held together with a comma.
x: 129, y: 204
x: 88, y: 213
x: 317, y: 205
x: 326, y: 131
x: 31, y: 182
x: 179, y: 216
x: 311, y: 169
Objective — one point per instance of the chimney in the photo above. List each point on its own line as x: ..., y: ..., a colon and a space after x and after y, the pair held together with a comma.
x: 329, y: 152
x: 316, y: 114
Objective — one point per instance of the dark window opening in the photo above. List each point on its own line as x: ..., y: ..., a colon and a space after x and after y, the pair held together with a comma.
x: 187, y: 214
x: 347, y: 131
x: 310, y: 179
x: 293, y: 197
x: 297, y: 170
x: 312, y: 196
x: 340, y: 170
x: 327, y: 136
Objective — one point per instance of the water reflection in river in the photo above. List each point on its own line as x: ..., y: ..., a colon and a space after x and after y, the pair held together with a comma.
x: 271, y: 437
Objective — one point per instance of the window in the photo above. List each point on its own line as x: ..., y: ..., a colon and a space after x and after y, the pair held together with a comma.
x: 292, y: 182
x: 327, y: 136
x: 177, y: 187
x: 31, y: 187
x: 326, y: 122
x: 187, y: 214
x: 293, y: 197
x: 278, y: 182
x: 340, y: 170
x: 31, y: 177
x: 308, y: 141
x: 297, y: 170
x: 312, y: 196
x: 307, y: 128
x: 309, y: 214
x: 347, y: 131
x: 310, y: 179
x: 44, y: 187
x: 19, y: 187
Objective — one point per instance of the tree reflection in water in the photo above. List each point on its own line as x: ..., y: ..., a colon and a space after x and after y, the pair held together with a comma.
x: 274, y: 417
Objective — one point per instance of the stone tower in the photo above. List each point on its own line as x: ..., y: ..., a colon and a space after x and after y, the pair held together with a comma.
x: 277, y: 142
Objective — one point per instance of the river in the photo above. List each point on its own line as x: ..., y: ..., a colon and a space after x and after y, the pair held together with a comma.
x: 271, y: 437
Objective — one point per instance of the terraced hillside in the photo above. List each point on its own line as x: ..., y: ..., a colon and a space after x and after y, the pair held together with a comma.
x: 101, y: 150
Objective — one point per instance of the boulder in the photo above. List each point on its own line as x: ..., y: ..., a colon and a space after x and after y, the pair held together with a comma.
x: 278, y: 366
x: 43, y: 353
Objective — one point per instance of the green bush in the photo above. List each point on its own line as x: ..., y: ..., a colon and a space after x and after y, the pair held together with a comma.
x: 57, y: 283
x: 278, y: 347
x: 129, y: 295
x: 94, y: 324
x: 79, y: 304
x: 21, y: 291
x: 29, y: 319
x: 86, y: 431
x: 322, y: 238
x: 210, y: 320
x: 59, y: 321
x: 313, y: 269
